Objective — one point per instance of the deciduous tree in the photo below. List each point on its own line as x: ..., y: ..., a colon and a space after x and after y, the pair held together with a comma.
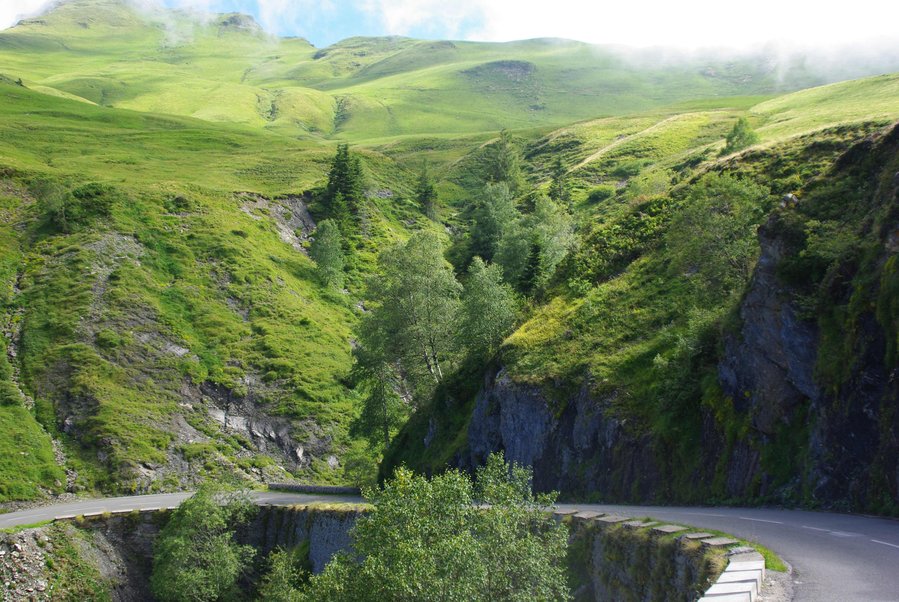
x: 427, y: 540
x: 488, y: 310
x: 196, y: 557
x: 415, y: 298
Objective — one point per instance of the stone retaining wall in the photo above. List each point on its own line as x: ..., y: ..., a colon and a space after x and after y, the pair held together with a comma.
x: 611, y: 557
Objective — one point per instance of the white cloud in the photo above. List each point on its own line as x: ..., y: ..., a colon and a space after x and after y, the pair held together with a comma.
x: 446, y: 18
x: 11, y: 11
x: 686, y: 24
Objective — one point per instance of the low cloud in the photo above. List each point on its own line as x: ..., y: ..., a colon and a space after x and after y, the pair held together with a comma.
x: 12, y: 11
x: 684, y: 24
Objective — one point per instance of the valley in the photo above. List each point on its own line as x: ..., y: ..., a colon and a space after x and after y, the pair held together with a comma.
x: 649, y: 276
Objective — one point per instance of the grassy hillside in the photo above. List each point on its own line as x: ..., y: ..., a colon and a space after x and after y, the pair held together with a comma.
x: 193, y: 292
x: 624, y: 317
x: 226, y: 68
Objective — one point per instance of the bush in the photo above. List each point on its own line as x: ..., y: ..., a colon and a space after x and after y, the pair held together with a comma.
x: 196, y: 557
x: 741, y: 136
x: 601, y: 193
x: 428, y: 540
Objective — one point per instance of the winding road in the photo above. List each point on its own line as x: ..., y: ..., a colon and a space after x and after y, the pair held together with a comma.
x: 835, y: 557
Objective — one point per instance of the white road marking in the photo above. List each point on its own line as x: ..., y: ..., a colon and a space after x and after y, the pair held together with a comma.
x: 761, y: 520
x: 705, y: 514
x: 892, y: 545
x: 816, y: 529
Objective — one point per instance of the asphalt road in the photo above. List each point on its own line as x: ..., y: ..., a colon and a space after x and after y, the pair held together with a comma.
x: 835, y: 557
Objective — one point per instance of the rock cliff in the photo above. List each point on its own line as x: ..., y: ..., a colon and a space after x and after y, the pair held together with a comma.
x: 807, y: 374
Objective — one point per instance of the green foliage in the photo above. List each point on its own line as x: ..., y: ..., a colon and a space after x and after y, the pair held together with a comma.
x: 383, y: 411
x: 711, y: 240
x: 608, y: 247
x: 495, y: 214
x: 534, y: 245
x: 343, y: 194
x: 415, y: 299
x: 558, y: 186
x: 70, y: 210
x: 284, y: 578
x: 196, y: 557
x: 601, y: 193
x: 741, y: 136
x: 504, y: 163
x: 426, y: 193
x: 427, y: 540
x: 327, y: 252
x: 488, y: 311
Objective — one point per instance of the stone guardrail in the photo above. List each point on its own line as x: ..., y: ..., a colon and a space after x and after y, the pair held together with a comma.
x: 741, y: 580
x: 314, y: 489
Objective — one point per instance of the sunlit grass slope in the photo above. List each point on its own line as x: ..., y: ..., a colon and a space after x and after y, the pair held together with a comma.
x: 188, y: 281
x: 225, y: 68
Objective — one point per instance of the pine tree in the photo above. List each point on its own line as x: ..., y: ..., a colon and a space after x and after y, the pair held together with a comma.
x: 558, y: 187
x: 426, y: 193
x: 343, y: 193
x: 327, y: 252
x: 532, y: 271
x: 504, y: 163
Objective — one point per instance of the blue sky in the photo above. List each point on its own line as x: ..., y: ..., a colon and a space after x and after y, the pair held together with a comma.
x: 328, y: 21
x: 678, y: 23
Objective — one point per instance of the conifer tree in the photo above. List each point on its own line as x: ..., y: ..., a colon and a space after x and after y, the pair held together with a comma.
x: 504, y: 163
x: 558, y: 187
x: 426, y: 193
x: 343, y: 193
x: 327, y: 252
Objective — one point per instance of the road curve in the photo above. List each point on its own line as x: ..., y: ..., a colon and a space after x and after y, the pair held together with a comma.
x: 835, y: 557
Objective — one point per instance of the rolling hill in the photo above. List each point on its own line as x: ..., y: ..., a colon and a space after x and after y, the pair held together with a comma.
x: 224, y: 68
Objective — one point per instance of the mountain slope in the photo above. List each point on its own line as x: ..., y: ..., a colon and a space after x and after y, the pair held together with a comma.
x: 638, y: 378
x: 168, y: 325
x: 224, y: 68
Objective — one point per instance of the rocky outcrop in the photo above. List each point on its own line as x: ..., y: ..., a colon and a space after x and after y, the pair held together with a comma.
x: 580, y: 450
x: 809, y: 377
x: 623, y: 562
x: 768, y: 368
x: 325, y: 531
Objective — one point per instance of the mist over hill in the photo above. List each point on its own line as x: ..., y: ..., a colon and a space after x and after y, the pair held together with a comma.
x: 226, y: 68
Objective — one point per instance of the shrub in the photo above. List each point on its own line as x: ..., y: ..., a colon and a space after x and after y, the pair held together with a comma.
x: 601, y: 193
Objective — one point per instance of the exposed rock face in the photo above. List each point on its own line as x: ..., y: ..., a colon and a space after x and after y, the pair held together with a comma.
x: 290, y: 215
x: 770, y: 367
x: 817, y: 433
x: 583, y: 450
x: 326, y: 531
x: 277, y: 436
x: 120, y: 548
